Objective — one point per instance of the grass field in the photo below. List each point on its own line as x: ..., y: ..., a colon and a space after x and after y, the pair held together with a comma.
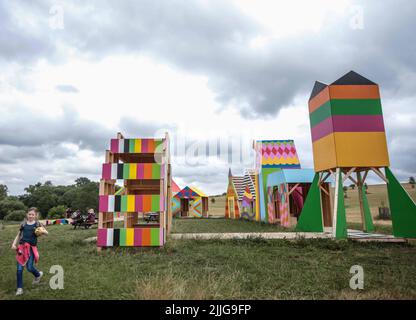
x: 232, y: 269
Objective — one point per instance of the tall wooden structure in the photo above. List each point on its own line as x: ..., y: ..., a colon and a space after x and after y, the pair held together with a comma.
x: 145, y: 201
x: 349, y: 141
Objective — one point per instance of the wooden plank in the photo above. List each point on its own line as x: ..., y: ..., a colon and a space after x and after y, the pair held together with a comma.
x: 323, y: 189
x: 293, y: 189
x: 380, y: 174
x: 352, y: 179
x: 348, y: 174
x: 327, y: 174
x: 365, y: 175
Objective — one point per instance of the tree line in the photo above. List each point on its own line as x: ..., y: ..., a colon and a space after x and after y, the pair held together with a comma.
x: 51, y: 200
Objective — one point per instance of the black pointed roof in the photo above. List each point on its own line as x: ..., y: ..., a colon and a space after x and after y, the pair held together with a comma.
x: 318, y: 87
x: 353, y: 78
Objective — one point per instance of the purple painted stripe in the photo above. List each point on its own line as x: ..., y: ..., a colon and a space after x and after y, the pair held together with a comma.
x: 145, y: 145
x: 322, y: 129
x: 348, y: 123
x: 138, y: 237
x: 362, y: 123
x: 139, y: 203
x: 103, y: 205
x: 140, y: 171
x: 107, y: 171
x: 114, y: 145
x: 102, y: 238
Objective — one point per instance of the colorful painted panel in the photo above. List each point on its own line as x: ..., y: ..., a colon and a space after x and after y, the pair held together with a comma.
x: 347, y: 124
x: 130, y: 237
x: 277, y: 154
x: 136, y: 145
x: 189, y: 193
x: 196, y: 208
x: 57, y: 221
x: 232, y: 209
x: 130, y: 203
x: 176, y: 205
x: 131, y: 171
x: 279, y: 195
x: 247, y: 205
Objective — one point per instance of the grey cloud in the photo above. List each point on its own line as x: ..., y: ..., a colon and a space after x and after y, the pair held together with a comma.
x: 213, y: 39
x: 36, y: 129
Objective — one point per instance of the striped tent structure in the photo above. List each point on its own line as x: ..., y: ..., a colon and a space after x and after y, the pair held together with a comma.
x: 349, y: 141
x: 193, y: 202
x: 144, y: 167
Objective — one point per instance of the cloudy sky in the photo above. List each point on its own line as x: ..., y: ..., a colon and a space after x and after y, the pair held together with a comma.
x: 212, y: 73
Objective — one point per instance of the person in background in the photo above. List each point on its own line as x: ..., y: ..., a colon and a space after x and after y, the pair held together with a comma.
x: 25, y: 245
x: 68, y: 213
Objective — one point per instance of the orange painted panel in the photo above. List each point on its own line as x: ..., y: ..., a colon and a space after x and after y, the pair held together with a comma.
x: 148, y: 171
x: 324, y: 154
x: 361, y: 149
x: 151, y: 145
x: 147, y: 203
x: 146, y: 237
x: 354, y: 92
x: 319, y: 100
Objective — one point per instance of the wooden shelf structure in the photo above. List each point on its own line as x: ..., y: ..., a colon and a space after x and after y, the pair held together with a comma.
x: 145, y: 168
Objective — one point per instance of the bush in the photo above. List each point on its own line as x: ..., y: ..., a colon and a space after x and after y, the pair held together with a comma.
x: 9, y: 205
x: 57, y: 212
x: 16, y: 215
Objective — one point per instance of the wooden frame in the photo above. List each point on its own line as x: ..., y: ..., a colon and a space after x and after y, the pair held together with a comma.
x: 137, y: 187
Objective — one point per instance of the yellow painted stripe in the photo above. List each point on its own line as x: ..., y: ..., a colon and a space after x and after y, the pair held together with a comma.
x: 132, y: 170
x: 129, y: 237
x: 361, y: 149
x: 138, y: 146
x: 130, y: 203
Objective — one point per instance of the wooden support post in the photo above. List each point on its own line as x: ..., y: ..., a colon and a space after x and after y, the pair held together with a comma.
x: 334, y: 214
x: 365, y: 176
x: 323, y: 190
x: 360, y: 195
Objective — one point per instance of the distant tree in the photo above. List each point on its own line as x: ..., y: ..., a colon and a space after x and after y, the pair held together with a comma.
x: 9, y: 205
x: 345, y: 192
x: 83, y: 196
x: 3, y: 191
x: 57, y: 212
x: 16, y: 215
x: 213, y: 200
x: 412, y: 182
x: 82, y: 181
x: 352, y: 186
x: 224, y: 194
x: 41, y: 196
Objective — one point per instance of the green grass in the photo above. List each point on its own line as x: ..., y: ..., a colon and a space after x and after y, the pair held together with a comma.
x: 222, y: 225
x: 233, y: 269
